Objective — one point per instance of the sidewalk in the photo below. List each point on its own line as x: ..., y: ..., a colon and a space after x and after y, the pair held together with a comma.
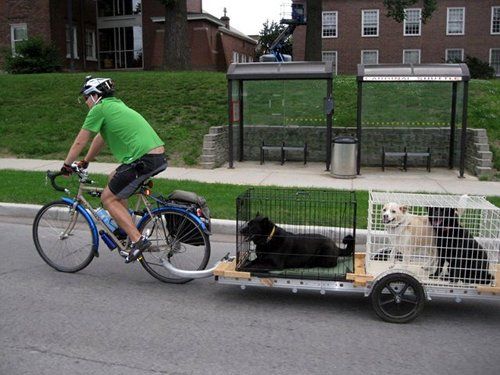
x: 439, y: 180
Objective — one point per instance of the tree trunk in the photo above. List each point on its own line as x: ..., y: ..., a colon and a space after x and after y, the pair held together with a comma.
x: 176, y: 52
x: 313, y: 31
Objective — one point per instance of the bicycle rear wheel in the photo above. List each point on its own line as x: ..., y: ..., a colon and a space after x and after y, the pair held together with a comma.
x: 63, y: 237
x: 176, y: 238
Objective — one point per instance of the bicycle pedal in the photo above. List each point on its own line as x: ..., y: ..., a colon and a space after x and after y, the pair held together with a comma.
x: 123, y: 253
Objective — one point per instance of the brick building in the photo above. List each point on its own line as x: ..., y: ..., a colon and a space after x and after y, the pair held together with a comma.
x: 358, y: 31
x: 120, y: 34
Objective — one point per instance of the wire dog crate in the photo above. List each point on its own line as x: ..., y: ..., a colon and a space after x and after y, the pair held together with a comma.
x: 443, y: 240
x: 296, y: 233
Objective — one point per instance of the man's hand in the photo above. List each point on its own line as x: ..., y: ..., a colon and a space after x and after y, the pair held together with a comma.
x: 83, y: 164
x: 67, y: 170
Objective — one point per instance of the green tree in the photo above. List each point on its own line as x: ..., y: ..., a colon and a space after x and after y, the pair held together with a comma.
x: 270, y: 31
x: 396, y: 8
x: 176, y: 51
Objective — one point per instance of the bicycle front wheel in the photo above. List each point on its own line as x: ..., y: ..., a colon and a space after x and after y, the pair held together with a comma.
x: 63, y: 237
x: 176, y: 238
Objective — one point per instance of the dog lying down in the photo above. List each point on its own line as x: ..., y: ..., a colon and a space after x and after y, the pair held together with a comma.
x: 278, y: 249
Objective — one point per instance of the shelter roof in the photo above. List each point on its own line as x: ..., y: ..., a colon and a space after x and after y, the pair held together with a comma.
x: 278, y: 70
x: 413, y: 72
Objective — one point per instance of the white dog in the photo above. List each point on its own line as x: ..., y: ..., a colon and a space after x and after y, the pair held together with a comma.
x: 411, y: 236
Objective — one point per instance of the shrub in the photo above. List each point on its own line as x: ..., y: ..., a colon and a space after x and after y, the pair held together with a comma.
x: 479, y: 69
x: 33, y: 55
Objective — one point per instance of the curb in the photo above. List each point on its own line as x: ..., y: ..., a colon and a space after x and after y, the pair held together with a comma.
x: 219, y: 226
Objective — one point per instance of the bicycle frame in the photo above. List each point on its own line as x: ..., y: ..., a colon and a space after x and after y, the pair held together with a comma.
x: 84, y: 207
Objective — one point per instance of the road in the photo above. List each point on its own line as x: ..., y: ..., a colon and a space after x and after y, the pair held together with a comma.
x: 113, y: 318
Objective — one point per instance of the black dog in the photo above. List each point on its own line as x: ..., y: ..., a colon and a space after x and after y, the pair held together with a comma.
x: 277, y: 248
x: 467, y: 260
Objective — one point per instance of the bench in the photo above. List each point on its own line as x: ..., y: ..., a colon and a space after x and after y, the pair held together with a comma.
x: 404, y: 155
x: 283, y: 151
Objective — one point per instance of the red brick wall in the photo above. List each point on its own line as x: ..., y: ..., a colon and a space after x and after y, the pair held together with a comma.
x: 391, y: 42
x: 47, y: 19
x: 193, y: 6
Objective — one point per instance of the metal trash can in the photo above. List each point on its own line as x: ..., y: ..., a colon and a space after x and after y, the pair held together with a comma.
x: 344, y: 156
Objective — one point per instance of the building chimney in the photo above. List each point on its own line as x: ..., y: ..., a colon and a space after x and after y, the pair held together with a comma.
x: 225, y: 18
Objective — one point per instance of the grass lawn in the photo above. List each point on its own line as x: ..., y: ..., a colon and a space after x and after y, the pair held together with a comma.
x: 31, y: 187
x: 40, y: 115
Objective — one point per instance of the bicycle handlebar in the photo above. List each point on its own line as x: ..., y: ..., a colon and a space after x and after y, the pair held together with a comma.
x: 81, y: 173
x: 52, y: 177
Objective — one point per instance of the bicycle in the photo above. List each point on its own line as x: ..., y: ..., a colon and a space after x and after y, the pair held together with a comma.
x: 66, y: 232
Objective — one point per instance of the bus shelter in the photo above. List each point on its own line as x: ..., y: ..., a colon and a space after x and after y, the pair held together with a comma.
x: 422, y: 95
x: 283, y: 96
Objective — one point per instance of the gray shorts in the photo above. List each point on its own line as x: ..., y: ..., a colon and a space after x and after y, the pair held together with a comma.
x: 128, y: 177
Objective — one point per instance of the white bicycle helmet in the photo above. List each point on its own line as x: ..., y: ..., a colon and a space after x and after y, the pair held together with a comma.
x: 100, y: 86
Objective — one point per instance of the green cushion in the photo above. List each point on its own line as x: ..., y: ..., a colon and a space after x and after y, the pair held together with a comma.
x: 344, y: 265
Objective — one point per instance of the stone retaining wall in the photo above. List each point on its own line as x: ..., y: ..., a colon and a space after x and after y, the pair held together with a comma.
x: 478, y: 155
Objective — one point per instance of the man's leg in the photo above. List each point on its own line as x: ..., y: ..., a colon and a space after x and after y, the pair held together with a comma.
x: 118, y: 210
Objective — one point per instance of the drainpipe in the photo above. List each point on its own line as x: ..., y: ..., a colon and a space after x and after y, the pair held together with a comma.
x: 70, y: 31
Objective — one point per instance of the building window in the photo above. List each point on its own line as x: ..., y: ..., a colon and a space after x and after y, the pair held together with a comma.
x: 411, y: 56
x: 329, y: 25
x: 68, y: 44
x: 454, y: 55
x: 369, y: 57
x: 495, y: 60
x: 120, y: 47
x: 236, y: 57
x: 495, y: 20
x: 330, y: 56
x: 18, y: 33
x: 455, y: 21
x: 113, y: 8
x: 90, y: 50
x: 369, y: 22
x: 412, y: 22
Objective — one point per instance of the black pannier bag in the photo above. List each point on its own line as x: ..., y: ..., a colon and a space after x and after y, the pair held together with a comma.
x: 184, y: 229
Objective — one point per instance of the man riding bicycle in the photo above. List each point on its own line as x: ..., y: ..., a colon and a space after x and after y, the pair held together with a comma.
x: 132, y: 141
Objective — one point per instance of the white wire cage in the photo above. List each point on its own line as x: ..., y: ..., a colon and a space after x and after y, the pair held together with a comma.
x: 443, y: 240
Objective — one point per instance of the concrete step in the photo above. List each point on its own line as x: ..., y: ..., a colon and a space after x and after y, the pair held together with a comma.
x: 483, y: 171
x: 483, y: 163
x: 485, y: 155
x: 482, y: 146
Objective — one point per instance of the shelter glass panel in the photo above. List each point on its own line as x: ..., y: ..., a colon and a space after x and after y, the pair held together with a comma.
x: 409, y: 104
x: 280, y: 102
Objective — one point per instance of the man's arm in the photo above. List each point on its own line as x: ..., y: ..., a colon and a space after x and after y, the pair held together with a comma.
x: 95, y: 148
x: 80, y: 142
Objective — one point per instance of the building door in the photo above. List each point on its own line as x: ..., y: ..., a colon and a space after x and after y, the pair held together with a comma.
x: 119, y: 24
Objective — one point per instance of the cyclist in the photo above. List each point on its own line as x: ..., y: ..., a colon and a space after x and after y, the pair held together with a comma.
x: 132, y: 141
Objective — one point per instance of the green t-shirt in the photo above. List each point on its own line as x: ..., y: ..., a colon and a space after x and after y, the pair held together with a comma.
x: 128, y: 135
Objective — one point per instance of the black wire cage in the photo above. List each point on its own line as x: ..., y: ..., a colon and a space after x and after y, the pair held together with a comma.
x: 296, y: 233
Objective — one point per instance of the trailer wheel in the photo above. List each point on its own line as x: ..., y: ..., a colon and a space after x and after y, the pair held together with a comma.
x: 398, y: 298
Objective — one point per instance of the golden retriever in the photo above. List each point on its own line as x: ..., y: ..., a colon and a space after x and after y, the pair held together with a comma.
x: 411, y: 236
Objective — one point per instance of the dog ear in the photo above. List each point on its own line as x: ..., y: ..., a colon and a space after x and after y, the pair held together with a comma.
x: 403, y: 208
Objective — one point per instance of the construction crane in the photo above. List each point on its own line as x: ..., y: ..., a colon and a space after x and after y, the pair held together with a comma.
x: 276, y: 47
